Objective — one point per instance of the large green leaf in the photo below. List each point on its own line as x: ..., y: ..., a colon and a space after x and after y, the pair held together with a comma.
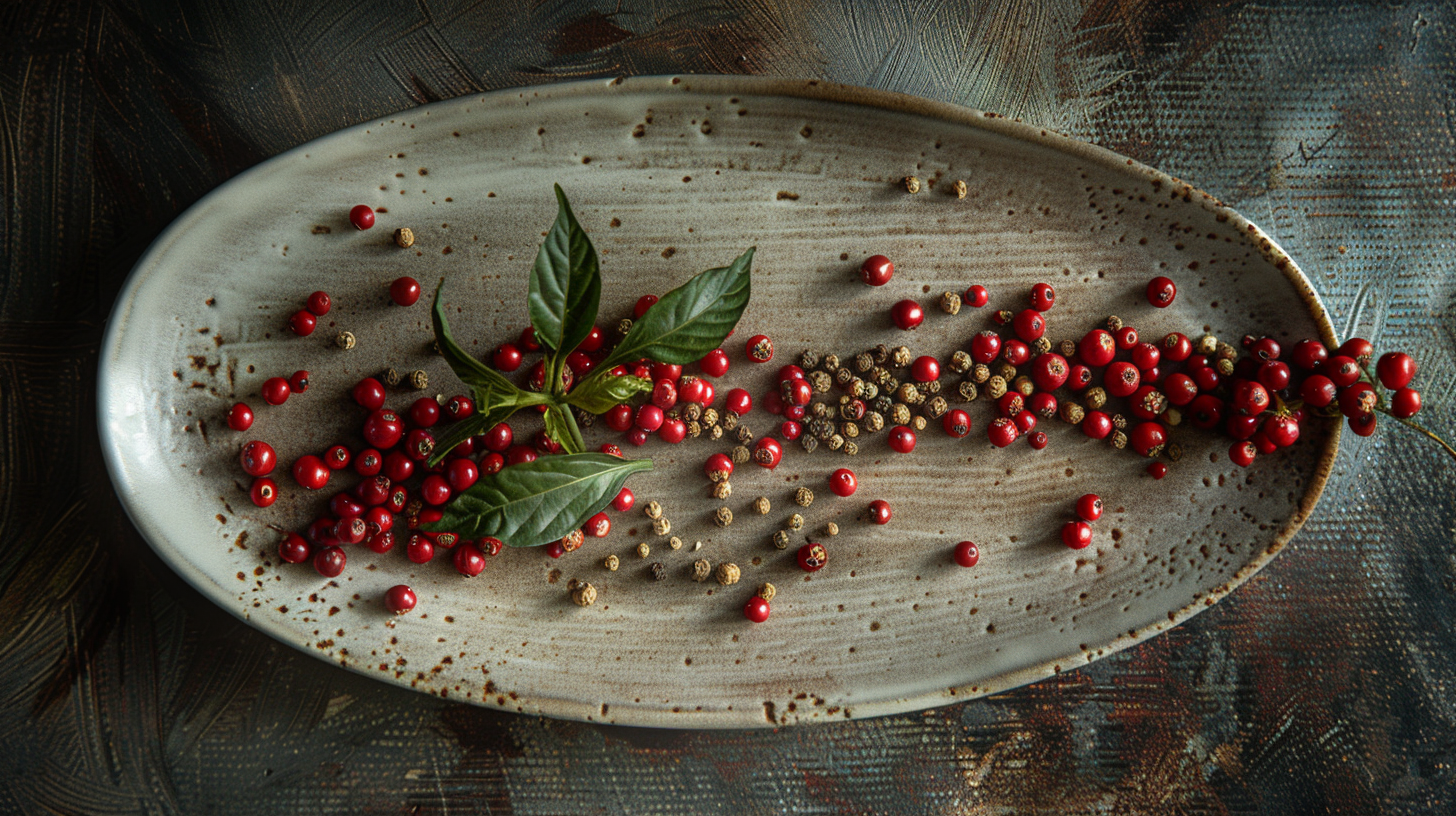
x: 534, y: 503
x: 691, y: 320
x: 566, y: 285
x: 602, y: 390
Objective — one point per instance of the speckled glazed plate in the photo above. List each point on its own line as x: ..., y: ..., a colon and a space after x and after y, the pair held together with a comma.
x: 671, y: 176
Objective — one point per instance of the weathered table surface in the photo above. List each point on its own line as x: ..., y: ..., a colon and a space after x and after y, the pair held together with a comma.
x: 1320, y: 686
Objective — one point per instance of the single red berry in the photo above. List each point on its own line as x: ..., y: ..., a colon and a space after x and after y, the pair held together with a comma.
x: 1049, y: 371
x: 592, y: 342
x: 321, y: 532
x: 1097, y: 348
x: 1043, y: 297
x: 1358, y: 349
x: 1002, y: 432
x: 459, y: 407
x: 361, y: 216
x: 666, y: 371
x: 499, y: 437
x: 791, y: 430
x: 976, y: 296
x: 310, y: 472
x: 492, y: 463
x: 1177, y: 347
x: 643, y: 304
x: 1148, y: 438
x: 738, y: 401
x: 527, y: 340
x: 330, y: 561
x: 1042, y: 404
x: 1395, y: 370
x: 619, y: 417
x: 461, y: 474
x: 425, y: 412
x: 338, y: 457
x: 957, y: 423
x: 1363, y: 425
x: 876, y: 270
x: 812, y: 557
x: 1096, y: 425
x: 419, y: 444
x: 506, y: 357
x: 1078, y: 377
x: 756, y: 609
x: 1029, y: 325
x: 369, y: 462
x: 398, y: 467
x: 1207, y: 377
x: 1243, y: 453
x: 598, y: 526
x: 624, y: 501
x: 263, y: 492
x: 1037, y: 440
x: 580, y: 363
x: 718, y: 467
x: 469, y: 560
x: 1343, y: 371
x: 1249, y: 397
x: 1157, y: 470
x: 1015, y: 352
x: 1161, y: 291
x: 383, y: 429
x: 399, y: 599
x: 1274, y: 375
x: 369, y: 393
x: 555, y: 549
x: 1358, y: 399
x: 708, y: 394
x: 257, y: 458
x: 1121, y: 379
x: 925, y: 368
x: 1010, y: 404
x: 419, y: 549
x: 759, y: 348
x: 1089, y: 507
x: 649, y: 418
x: 967, y: 554
x: 1147, y: 402
x: 986, y: 346
x: 405, y: 291
x: 351, y: 530
x: 399, y: 499
x: 548, y: 445
x: 907, y: 314
x: 664, y: 394
x: 275, y: 390
x: 843, y: 483
x: 691, y: 389
x: 1242, y: 427
x: 1125, y: 337
x: 673, y: 431
x: 240, y: 417
x: 1077, y: 534
x: 902, y: 439
x: 298, y: 383
x: 1025, y: 422
x: 294, y: 549
x: 1282, y: 430
x: 319, y: 303
x: 767, y: 452
x: 1206, y: 412
x: 1309, y: 354
x: 715, y: 363
x: 1146, y: 356
x: 302, y: 323
x: 796, y: 392
x: 489, y: 546
x: 344, y: 505
x: 1405, y: 403
x: 880, y: 512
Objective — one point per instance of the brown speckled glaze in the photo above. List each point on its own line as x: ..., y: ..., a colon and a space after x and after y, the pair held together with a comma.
x: 672, y: 175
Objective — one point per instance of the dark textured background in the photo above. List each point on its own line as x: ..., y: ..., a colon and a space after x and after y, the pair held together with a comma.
x: 1322, y: 686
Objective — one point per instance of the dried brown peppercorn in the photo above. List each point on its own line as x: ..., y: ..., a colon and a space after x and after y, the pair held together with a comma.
x: 345, y: 340
x: 584, y: 594
x: 958, y: 188
x: 694, y: 429
x: 1095, y: 397
x: 1040, y: 346
x: 715, y: 432
x: 1224, y: 351
x: 821, y: 381
x: 727, y: 573
x: 960, y: 362
x: 643, y: 550
x: 1172, y: 417
x: 419, y: 380
x: 1224, y: 366
x: 1207, y: 345
x: 1174, y: 451
x: 818, y: 410
x: 404, y: 237
x: 1067, y: 348
x: 808, y: 359
x: 808, y: 443
x: 911, y: 184
x: 675, y: 543
x: 848, y: 430
x: 611, y: 563
x: 743, y: 434
x: 950, y: 303
x: 803, y: 497
x: 1119, y: 422
x: 710, y: 416
x: 723, y: 517
x: 873, y: 421
x: 729, y: 420
x: 980, y: 373
x: 692, y: 411
x: 863, y: 362
x: 701, y: 570
x: 661, y: 526
x: 832, y: 529
x: 995, y: 387
x: 881, y: 353
x: 930, y: 388
x: 869, y: 392
x: 882, y: 404
x: 855, y: 388
x: 624, y: 326
x: 851, y: 448
x: 740, y: 454
x: 1117, y: 439
x: 843, y: 376
x: 918, y: 422
x: 900, y: 356
x: 1023, y: 386
x: 1005, y: 371
x: 900, y: 413
x: 390, y: 378
x: 1072, y: 413
x: 795, y: 522
x: 830, y: 362
x: 835, y: 442
x: 766, y: 592
x: 659, y: 572
x: 761, y: 505
x: 936, y: 407
x: 781, y: 539
x: 652, y: 510
x: 722, y: 490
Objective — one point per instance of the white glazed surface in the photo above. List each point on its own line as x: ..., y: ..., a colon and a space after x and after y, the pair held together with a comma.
x: 670, y: 176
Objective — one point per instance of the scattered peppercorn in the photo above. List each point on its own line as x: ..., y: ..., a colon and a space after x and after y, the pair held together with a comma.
x: 727, y: 573
x: 959, y: 189
x: 659, y: 572
x: 911, y: 184
x: 419, y: 380
x: 795, y: 522
x: 611, y: 563
x: 643, y: 550
x: 722, y: 490
x: 761, y: 505
x: 950, y: 303
x: 404, y: 237
x: 653, y: 510
x: 702, y: 568
x: 661, y: 526
x: 723, y: 517
x: 766, y: 592
x: 584, y: 594
x: 781, y: 539
x: 831, y: 528
x: 345, y: 340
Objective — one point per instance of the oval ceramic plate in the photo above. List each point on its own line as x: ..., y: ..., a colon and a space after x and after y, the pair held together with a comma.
x: 671, y: 176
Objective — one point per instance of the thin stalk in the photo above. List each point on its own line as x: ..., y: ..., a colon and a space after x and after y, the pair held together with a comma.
x: 1421, y: 428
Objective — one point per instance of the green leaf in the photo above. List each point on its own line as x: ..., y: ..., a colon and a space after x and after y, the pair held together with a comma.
x: 691, y: 320
x: 470, y: 370
x: 602, y: 390
x: 566, y: 284
x: 459, y: 432
x: 534, y: 503
x: 561, y: 427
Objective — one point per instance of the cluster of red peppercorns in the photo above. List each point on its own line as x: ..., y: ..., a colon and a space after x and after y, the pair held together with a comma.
x: 1077, y: 533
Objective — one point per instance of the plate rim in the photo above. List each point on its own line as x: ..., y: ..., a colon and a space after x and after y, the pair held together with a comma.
x: 742, y: 85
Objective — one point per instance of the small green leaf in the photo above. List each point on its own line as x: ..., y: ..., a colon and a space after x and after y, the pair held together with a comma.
x: 603, y: 390
x: 534, y: 503
x: 459, y: 432
x: 470, y: 370
x: 561, y: 427
x: 566, y: 284
x: 691, y: 320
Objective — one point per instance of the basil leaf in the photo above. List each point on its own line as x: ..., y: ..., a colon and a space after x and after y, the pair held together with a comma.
x: 603, y: 391
x: 691, y: 320
x: 534, y: 503
x: 566, y: 284
x: 561, y: 427
x: 470, y: 370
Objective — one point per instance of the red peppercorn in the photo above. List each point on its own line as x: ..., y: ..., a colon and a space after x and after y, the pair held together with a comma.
x: 1125, y: 337
x: 756, y: 609
x: 330, y: 561
x: 1309, y: 354
x: 1121, y: 379
x: 718, y: 467
x: 907, y: 314
x: 1206, y: 377
x: 383, y: 429
x: 1010, y: 404
x: 1274, y: 375
x: 1395, y: 370
x: 1343, y: 371
x: 1358, y: 349
x: 1002, y: 432
x: 1146, y: 356
x: 546, y: 444
x: 361, y: 216
x: 338, y: 457
x: 925, y: 368
x: 369, y: 393
x: 714, y: 363
x: 664, y: 394
x: 673, y: 431
x: 506, y: 357
x: 666, y: 371
x: 986, y: 347
x: 1206, y: 411
x: 492, y: 463
x: 1037, y: 440
x: 373, y: 492
x: 399, y: 499
x: 1157, y: 470
x: 1043, y: 297
x: 1089, y: 507
x: 876, y: 270
x: 976, y: 296
x: 405, y: 291
x: 1161, y: 291
x: 691, y: 389
x: 351, y: 530
x: 957, y: 423
x: 240, y: 417
x: 1029, y: 325
x: 1282, y: 430
x: 1025, y: 422
x: 1077, y: 534
x: 293, y: 549
x: 738, y: 401
x: 1148, y: 438
x: 489, y: 546
x: 598, y: 526
x: 879, y: 511
x: 461, y: 474
x: 527, y: 340
x: 310, y: 472
x: 302, y: 323
x: 459, y: 407
x: 759, y: 348
x: 624, y: 501
x: 425, y: 412
x: 843, y: 483
x: 902, y: 439
x: 1404, y: 403
x: 1097, y: 348
x: 343, y: 505
x: 643, y: 304
x: 1242, y: 453
x: 469, y: 560
x: 275, y: 390
x: 580, y: 363
x: 398, y: 467
x: 263, y: 492
x: 1096, y: 425
x: 967, y: 554
x: 419, y: 549
x: 812, y: 557
x: 649, y: 418
x: 321, y: 532
x: 1363, y: 425
x: 791, y: 430
x: 1249, y: 397
x: 257, y: 458
x: 319, y: 303
x: 1015, y: 352
x: 767, y: 452
x: 1177, y: 347
x: 1180, y: 389
x: 1049, y: 371
x: 1358, y: 399
x: 419, y: 444
x: 1079, y: 377
x: 1042, y: 404
x: 369, y: 462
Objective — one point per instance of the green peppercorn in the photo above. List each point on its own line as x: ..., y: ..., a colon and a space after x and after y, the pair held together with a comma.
x: 883, y: 404
x: 1224, y: 351
x: 761, y: 505
x: 819, y: 410
x: 842, y: 376
x: 692, y: 411
x: 1172, y: 417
